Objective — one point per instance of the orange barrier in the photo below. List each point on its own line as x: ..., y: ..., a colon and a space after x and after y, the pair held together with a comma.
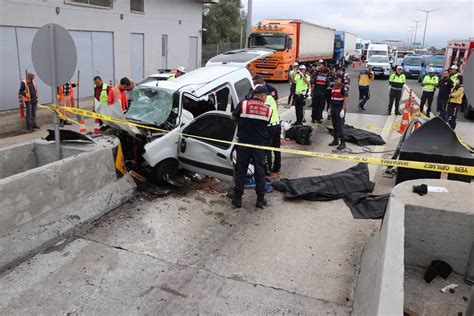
x: 83, y: 129
x: 96, y: 127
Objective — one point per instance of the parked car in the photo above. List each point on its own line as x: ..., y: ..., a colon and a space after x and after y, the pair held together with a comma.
x: 194, y: 105
x: 412, y: 66
x: 380, y: 65
x: 434, y: 61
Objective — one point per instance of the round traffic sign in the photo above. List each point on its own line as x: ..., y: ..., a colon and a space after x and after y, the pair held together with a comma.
x: 54, y: 54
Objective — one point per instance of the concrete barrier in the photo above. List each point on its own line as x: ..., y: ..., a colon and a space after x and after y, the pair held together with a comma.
x: 415, y: 230
x: 43, y: 201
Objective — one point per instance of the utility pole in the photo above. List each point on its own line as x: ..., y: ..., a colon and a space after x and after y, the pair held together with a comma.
x: 416, y: 28
x: 426, y: 22
x: 249, y: 17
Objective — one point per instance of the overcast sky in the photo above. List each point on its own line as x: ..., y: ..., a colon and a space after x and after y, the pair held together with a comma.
x: 377, y: 19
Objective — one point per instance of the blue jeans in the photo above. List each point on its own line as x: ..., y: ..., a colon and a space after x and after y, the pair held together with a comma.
x: 30, y: 118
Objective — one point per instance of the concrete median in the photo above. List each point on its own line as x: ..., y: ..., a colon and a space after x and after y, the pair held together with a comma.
x: 44, y: 201
x: 415, y: 230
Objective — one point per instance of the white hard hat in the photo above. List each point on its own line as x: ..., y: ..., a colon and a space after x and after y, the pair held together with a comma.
x: 454, y: 67
x: 181, y: 69
x: 431, y: 69
x: 302, y: 67
x: 295, y: 64
x: 399, y: 68
x: 321, y: 61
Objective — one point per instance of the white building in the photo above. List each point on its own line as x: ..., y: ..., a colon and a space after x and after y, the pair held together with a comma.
x: 114, y: 39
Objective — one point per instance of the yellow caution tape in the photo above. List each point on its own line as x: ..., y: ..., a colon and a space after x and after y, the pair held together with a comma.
x: 429, y: 166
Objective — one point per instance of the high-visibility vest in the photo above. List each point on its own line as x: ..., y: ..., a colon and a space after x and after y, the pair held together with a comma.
x: 397, y: 81
x: 27, y: 90
x: 275, y: 118
x: 431, y: 83
x: 457, y: 94
x: 365, y: 78
x: 61, y: 91
x: 454, y: 78
x: 171, y: 78
x: 301, y: 85
x: 118, y: 96
x: 103, y: 94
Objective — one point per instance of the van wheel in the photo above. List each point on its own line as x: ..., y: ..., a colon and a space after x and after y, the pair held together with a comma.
x: 166, y: 169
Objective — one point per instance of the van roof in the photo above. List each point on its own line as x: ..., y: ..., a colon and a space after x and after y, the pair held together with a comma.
x: 199, y: 77
x: 196, y: 79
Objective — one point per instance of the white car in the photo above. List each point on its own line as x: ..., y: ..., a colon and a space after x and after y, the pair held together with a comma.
x: 380, y: 65
x: 195, y: 104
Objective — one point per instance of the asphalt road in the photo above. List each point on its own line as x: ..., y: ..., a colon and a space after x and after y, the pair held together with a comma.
x: 379, y: 91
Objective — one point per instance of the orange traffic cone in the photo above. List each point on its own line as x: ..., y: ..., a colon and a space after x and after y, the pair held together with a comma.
x: 96, y: 127
x: 405, y: 121
x: 82, y: 128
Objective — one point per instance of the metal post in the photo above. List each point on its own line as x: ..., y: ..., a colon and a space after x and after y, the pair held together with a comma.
x: 249, y: 18
x: 426, y: 22
x: 416, y: 28
x: 78, y: 117
x: 53, y: 93
x: 241, y: 33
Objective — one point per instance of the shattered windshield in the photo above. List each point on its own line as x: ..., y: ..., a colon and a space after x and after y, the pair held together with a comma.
x: 150, y: 105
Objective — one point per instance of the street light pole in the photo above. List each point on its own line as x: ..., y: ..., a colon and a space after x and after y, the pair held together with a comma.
x: 249, y: 17
x: 416, y: 28
x: 426, y: 22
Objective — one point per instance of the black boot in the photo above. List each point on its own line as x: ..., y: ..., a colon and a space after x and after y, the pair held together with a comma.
x: 341, y: 146
x: 261, y: 201
x: 237, y: 201
x: 397, y: 112
x: 335, y: 142
x: 389, y: 111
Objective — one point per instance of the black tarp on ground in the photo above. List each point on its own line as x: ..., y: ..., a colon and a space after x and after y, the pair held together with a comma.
x: 434, y: 141
x: 365, y: 206
x: 360, y: 137
x: 328, y: 187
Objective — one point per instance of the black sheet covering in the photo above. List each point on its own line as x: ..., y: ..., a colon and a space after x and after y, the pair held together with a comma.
x: 360, y: 137
x: 365, y: 206
x: 328, y: 187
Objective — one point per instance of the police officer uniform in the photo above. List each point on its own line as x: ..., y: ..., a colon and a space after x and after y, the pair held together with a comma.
x: 339, y: 93
x: 301, y: 80
x: 253, y: 117
x: 274, y: 131
x: 330, y: 77
x: 320, y: 86
x: 292, y: 73
x: 396, y: 82
x: 430, y: 82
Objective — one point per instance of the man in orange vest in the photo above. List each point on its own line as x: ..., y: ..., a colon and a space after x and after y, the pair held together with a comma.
x: 29, y: 91
x: 66, y: 98
x: 118, y: 93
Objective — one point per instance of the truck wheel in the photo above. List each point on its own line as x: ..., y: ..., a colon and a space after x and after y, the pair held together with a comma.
x: 167, y: 168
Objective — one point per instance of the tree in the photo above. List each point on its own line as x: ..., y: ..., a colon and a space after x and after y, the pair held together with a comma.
x: 223, y: 22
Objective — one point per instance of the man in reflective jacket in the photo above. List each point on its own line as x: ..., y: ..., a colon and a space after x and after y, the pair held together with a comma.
x: 430, y: 82
x: 396, y: 81
x: 252, y: 117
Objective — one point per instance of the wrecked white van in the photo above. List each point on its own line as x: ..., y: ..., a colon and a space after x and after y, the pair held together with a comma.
x: 197, y: 103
